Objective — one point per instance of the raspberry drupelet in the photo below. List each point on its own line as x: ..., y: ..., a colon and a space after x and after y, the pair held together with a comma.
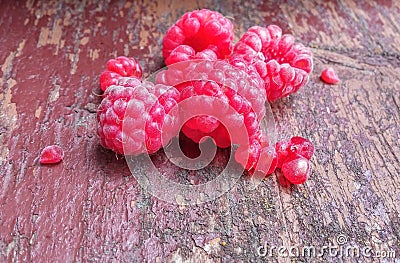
x: 51, y: 154
x: 293, y: 158
x: 329, y: 76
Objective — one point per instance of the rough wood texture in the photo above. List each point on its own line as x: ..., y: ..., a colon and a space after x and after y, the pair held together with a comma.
x: 88, y: 208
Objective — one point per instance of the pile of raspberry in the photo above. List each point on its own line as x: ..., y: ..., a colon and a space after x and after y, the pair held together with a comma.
x: 224, y: 85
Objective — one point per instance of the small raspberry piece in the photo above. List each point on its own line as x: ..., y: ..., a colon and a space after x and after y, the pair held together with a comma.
x: 283, y: 64
x: 297, y: 170
x: 289, y: 150
x: 282, y: 151
x: 198, y: 34
x: 51, y: 154
x: 119, y: 67
x: 140, y: 119
x: 329, y: 76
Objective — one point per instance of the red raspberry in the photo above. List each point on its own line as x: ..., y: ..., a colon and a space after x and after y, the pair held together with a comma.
x: 198, y: 34
x: 244, y: 84
x: 119, y: 67
x: 290, y: 150
x: 261, y: 156
x: 297, y: 170
x: 283, y: 64
x: 207, y: 99
x: 218, y: 85
x: 329, y: 76
x: 282, y: 151
x: 51, y: 154
x: 144, y: 112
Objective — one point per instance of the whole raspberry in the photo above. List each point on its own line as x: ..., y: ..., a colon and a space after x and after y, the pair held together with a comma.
x: 119, y: 67
x: 217, y: 86
x: 283, y: 64
x: 140, y: 119
x: 209, y: 104
x: 198, y: 34
x: 329, y: 76
x: 242, y: 84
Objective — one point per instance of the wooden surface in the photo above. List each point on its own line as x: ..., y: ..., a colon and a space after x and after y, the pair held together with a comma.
x: 89, y: 208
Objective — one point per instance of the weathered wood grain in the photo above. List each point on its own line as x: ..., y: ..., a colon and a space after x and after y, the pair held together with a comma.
x: 89, y: 208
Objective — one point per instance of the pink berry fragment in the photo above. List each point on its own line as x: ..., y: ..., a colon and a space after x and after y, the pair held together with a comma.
x: 297, y: 170
x: 290, y: 150
x: 329, y: 76
x: 292, y: 157
x: 51, y: 154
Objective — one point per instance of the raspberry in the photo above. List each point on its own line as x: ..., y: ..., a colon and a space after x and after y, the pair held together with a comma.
x: 297, y: 170
x: 216, y: 85
x: 119, y: 67
x: 51, y: 154
x: 329, y: 76
x: 289, y: 150
x: 206, y: 99
x: 140, y: 119
x: 198, y: 34
x: 283, y: 64
x: 244, y: 84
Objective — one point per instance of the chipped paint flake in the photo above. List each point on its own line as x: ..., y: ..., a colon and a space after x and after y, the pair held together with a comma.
x: 38, y: 111
x: 94, y: 53
x: 20, y: 47
x: 8, y: 115
x: 84, y: 41
x: 51, y: 36
x: 54, y: 94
